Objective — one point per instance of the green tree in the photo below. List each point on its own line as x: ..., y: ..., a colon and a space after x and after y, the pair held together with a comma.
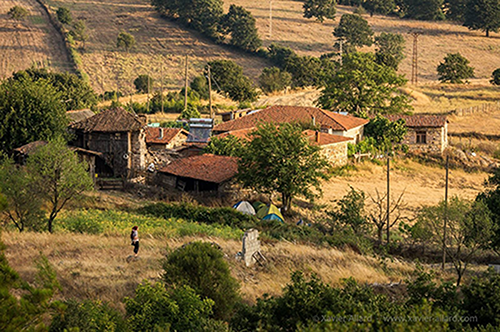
x: 320, y: 9
x: 79, y: 31
x: 390, y: 47
x: 64, y: 15
x: 425, y: 10
x: 226, y: 146
x: 201, y: 266
x: 350, y: 212
x: 281, y: 159
x: 481, y: 298
x: 23, y: 205
x: 385, y: 132
x: 29, y: 111
x: 200, y: 85
x: 354, y: 31
x: 455, y: 10
x: 272, y: 79
x: 240, y: 23
x: 383, y: 7
x: 125, y: 40
x: 227, y: 77
x: 18, y: 13
x: 305, y: 70
x: 143, y: 83
x: 59, y: 176
x: 75, y: 92
x: 189, y: 113
x: 495, y: 77
x: 363, y: 87
x: 469, y: 230
x: 454, y: 69
x: 491, y: 197
x: 483, y: 15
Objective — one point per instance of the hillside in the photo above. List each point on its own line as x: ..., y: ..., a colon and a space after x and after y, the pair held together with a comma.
x: 33, y: 41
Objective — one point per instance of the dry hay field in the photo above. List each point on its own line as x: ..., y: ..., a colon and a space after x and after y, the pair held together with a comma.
x: 32, y: 41
x: 161, y: 46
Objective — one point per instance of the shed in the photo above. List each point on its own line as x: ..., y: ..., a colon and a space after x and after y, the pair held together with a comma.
x: 158, y: 138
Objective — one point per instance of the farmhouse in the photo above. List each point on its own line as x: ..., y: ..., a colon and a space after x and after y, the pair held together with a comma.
x: 203, y: 173
x: 119, y: 136
x: 158, y: 138
x: 426, y: 133
x: 328, y: 122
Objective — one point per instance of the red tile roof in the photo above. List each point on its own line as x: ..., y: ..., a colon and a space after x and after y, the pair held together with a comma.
x: 416, y: 121
x: 241, y: 133
x: 112, y: 120
x: 318, y: 138
x: 153, y: 134
x: 282, y: 114
x: 205, y: 167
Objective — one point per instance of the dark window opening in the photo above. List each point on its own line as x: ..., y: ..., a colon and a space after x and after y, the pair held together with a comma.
x: 421, y: 137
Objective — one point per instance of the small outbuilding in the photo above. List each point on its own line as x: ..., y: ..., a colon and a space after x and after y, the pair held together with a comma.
x: 158, y: 138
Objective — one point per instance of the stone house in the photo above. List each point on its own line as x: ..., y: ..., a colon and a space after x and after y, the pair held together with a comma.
x: 119, y: 136
x: 328, y: 122
x: 203, y: 173
x: 158, y: 138
x: 426, y: 133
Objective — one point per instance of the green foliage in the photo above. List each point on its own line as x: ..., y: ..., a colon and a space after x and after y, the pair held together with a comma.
x: 363, y: 87
x: 200, y: 85
x: 201, y: 15
x: 229, y: 79
x: 454, y: 69
x: 240, y: 23
x: 386, y: 133
x: 273, y: 79
x: 320, y: 9
x: 143, y: 83
x: 87, y: 316
x: 59, y: 176
x: 281, y: 159
x: 189, y: 113
x: 481, y: 298
x: 495, y: 77
x: 350, y: 212
x: 354, y: 31
x: 390, y: 47
x: 125, y: 40
x: 76, y: 93
x: 455, y: 10
x: 79, y: 31
x: 64, y: 15
x: 23, y: 205
x: 226, y: 146
x: 425, y: 10
x: 18, y: 13
x: 202, y: 267
x: 483, y: 15
x: 383, y: 7
x: 305, y: 70
x: 29, y: 111
x: 491, y: 197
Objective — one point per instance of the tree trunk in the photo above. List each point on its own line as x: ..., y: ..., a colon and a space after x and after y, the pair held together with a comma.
x: 487, y: 32
x: 380, y: 231
x: 50, y: 224
x: 287, y: 202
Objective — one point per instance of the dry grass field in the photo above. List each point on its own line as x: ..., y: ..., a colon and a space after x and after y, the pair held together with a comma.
x: 95, y: 267
x: 32, y: 41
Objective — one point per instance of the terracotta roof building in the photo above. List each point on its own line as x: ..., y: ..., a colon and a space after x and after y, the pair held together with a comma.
x: 426, y: 133
x: 165, y: 138
x: 205, y: 172
x: 120, y: 137
x: 329, y: 122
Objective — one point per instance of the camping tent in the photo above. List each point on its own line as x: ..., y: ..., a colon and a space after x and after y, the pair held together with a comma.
x: 270, y: 212
x: 244, y: 207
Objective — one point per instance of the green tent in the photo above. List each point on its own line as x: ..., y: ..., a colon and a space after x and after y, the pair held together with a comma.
x: 270, y: 212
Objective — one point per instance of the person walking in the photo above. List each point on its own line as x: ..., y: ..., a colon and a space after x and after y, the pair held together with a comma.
x: 134, y: 236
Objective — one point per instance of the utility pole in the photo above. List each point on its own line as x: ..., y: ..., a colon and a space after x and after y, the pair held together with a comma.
x: 148, y: 92
x: 414, y: 60
x: 186, y: 85
x: 270, y: 19
x: 340, y: 45
x: 210, y: 92
x: 445, y: 217
x: 161, y: 87
x: 388, y: 198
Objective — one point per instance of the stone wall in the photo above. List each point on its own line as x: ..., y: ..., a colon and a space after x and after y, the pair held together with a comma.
x: 138, y: 151
x: 436, y: 139
x: 336, y: 153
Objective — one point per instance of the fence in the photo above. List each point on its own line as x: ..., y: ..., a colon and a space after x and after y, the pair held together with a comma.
x: 483, y: 108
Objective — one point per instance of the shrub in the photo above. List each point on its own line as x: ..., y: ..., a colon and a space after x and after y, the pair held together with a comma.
x: 229, y: 79
x: 454, y: 69
x: 495, y: 77
x: 200, y: 85
x: 189, y: 113
x: 64, y: 15
x: 202, y: 266
x: 481, y: 298
x: 18, y: 13
x: 125, y: 40
x: 273, y: 79
x: 143, y: 83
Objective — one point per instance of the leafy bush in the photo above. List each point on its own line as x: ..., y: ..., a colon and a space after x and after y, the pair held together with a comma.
x: 200, y: 85
x: 202, y: 266
x: 495, y: 77
x: 273, y: 79
x: 125, y: 40
x: 88, y: 316
x: 143, y: 83
x: 454, y: 69
x: 481, y: 298
x: 18, y: 13
x: 189, y: 113
x: 229, y: 79
x: 64, y: 15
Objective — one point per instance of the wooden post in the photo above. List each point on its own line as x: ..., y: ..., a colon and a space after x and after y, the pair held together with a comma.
x: 186, y: 85
x: 445, y: 217
x: 210, y: 93
x: 161, y: 92
x: 148, y: 94
x: 388, y: 198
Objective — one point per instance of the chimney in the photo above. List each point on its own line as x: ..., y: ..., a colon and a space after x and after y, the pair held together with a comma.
x: 317, y: 137
x: 314, y: 121
x: 161, y: 133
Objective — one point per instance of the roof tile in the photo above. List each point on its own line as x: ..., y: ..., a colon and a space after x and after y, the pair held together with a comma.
x: 112, y: 120
x: 153, y: 134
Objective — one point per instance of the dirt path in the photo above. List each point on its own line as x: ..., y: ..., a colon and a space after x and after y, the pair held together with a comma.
x: 33, y: 41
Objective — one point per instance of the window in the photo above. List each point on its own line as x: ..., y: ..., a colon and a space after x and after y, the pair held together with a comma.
x: 421, y: 137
